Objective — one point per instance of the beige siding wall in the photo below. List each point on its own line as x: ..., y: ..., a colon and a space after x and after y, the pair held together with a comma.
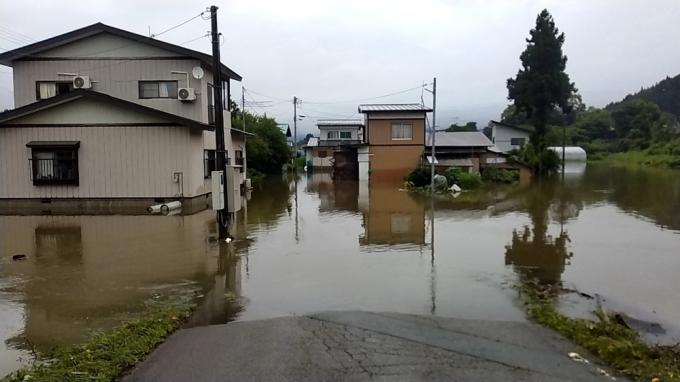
x: 118, y: 78
x: 114, y: 162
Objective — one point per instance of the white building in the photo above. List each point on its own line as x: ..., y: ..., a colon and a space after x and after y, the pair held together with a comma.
x: 508, y: 137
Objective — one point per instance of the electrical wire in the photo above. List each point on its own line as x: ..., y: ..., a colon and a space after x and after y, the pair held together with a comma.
x: 154, y: 35
x: 16, y: 34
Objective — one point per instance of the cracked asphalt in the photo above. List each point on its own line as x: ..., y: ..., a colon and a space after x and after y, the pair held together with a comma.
x: 366, y: 346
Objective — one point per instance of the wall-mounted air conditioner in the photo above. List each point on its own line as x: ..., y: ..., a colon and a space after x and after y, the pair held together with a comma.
x: 186, y: 94
x: 82, y: 82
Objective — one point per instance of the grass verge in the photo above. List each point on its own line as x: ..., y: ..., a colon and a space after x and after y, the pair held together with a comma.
x: 640, y: 158
x: 613, y: 343
x: 106, y: 356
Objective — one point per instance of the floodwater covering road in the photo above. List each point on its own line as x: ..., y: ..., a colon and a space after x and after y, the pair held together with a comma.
x: 310, y: 245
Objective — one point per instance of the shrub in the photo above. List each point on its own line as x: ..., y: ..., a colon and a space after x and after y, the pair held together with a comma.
x: 468, y: 181
x: 499, y: 175
x: 452, y: 175
x: 419, y: 177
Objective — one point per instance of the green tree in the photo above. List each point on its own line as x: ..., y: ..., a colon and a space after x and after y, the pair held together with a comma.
x: 470, y: 126
x: 541, y: 85
x: 592, y: 124
x: 634, y: 122
x: 267, y: 150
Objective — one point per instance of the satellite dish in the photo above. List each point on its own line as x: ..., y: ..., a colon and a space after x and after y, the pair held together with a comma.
x: 197, y: 72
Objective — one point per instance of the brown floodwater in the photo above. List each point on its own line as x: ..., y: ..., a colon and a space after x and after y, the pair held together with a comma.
x: 309, y: 244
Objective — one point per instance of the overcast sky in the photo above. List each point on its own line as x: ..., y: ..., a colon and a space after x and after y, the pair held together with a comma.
x: 336, y: 54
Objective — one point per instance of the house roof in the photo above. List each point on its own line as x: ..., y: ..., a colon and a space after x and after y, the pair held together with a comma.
x: 7, y: 58
x: 461, y: 139
x: 101, y: 97
x: 239, y: 131
x: 522, y: 128
x: 340, y: 122
x: 313, y: 142
x: 392, y: 107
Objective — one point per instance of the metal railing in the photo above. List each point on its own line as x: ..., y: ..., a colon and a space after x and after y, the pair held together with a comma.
x: 54, y: 171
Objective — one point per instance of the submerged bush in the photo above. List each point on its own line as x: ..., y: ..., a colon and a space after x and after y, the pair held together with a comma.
x: 499, y: 175
x: 419, y: 177
x: 464, y: 180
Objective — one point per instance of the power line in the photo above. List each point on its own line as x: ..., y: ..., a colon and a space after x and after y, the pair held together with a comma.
x: 370, y: 98
x: 17, y: 34
x: 154, y: 35
x: 207, y: 34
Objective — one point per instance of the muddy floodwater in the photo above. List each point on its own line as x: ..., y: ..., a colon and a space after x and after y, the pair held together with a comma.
x: 309, y: 244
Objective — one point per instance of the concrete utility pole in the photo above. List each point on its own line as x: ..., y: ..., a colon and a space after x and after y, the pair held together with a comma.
x: 243, y: 125
x: 434, y: 131
x: 220, y: 157
x: 295, y: 102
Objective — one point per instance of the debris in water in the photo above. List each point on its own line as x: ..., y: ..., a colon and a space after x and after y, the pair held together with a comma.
x: 18, y: 257
x: 577, y: 357
x: 604, y: 373
x: 228, y: 240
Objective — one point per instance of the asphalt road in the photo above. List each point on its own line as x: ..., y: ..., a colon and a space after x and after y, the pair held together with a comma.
x: 364, y: 346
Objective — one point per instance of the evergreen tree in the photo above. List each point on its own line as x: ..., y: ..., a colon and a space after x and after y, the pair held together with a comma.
x: 542, y: 85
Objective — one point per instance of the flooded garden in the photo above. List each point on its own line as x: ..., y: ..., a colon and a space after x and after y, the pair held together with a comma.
x: 309, y: 244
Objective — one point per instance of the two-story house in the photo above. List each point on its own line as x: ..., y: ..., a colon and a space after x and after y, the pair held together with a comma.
x: 334, y: 136
x: 108, y: 118
x: 394, y: 140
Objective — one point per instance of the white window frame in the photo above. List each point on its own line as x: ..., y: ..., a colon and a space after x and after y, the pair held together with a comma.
x: 405, y: 134
x: 333, y: 134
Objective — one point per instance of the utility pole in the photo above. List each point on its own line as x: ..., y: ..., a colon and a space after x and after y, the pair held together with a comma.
x: 243, y: 124
x: 434, y: 132
x: 295, y: 101
x: 220, y: 157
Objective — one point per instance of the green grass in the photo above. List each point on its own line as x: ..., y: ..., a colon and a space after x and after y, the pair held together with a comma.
x: 640, y: 158
x: 614, y: 344
x: 106, y: 356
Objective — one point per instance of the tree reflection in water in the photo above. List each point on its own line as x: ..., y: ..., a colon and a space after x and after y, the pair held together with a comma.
x: 533, y: 252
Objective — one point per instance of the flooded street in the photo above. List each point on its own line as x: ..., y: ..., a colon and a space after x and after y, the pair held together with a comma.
x: 312, y: 245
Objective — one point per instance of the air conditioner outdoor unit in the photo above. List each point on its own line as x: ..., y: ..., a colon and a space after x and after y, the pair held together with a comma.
x: 186, y: 94
x: 82, y: 82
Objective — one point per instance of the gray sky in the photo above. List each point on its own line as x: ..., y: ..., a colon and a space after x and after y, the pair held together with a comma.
x: 331, y: 54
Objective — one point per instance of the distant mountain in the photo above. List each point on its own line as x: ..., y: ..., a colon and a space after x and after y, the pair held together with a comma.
x: 666, y: 94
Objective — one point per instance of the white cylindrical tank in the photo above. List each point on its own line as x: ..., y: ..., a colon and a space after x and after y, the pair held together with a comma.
x: 165, y: 208
x: 571, y: 153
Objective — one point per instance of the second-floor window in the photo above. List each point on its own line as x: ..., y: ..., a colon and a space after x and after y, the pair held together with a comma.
x: 238, y: 157
x: 402, y: 131
x: 517, y: 141
x: 345, y: 135
x: 49, y: 89
x: 333, y: 134
x: 211, y: 104
x: 208, y: 163
x: 157, y: 89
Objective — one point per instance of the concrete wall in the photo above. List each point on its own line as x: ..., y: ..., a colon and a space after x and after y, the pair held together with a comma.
x: 393, y: 162
x: 502, y: 135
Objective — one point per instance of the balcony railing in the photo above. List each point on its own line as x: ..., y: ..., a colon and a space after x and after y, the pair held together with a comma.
x: 338, y: 142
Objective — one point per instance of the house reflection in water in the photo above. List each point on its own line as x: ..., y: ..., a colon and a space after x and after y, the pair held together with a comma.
x: 389, y: 216
x: 393, y: 217
x: 90, y: 272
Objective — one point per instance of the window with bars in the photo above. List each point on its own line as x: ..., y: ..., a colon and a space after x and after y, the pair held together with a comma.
x: 54, y: 162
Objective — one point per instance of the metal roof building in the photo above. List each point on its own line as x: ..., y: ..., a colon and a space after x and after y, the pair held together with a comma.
x: 340, y: 122
x: 392, y: 107
x: 461, y: 139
